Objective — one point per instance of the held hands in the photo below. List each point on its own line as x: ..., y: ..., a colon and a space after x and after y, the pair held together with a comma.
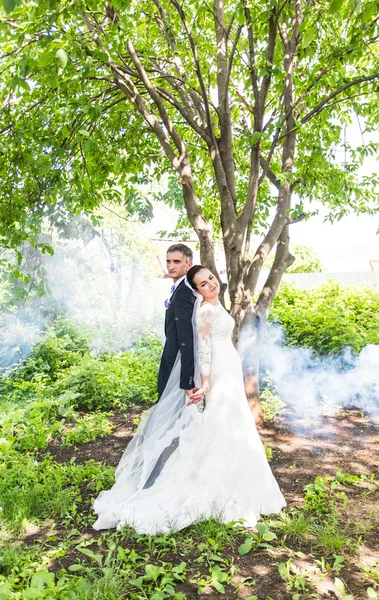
x: 197, y: 394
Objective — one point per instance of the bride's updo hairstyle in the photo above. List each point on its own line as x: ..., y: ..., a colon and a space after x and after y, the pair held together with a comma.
x: 191, y: 274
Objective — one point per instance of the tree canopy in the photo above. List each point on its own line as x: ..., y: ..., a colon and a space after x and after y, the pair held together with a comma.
x: 244, y: 103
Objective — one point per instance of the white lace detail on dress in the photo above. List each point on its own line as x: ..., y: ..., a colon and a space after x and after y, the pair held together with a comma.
x: 205, y: 332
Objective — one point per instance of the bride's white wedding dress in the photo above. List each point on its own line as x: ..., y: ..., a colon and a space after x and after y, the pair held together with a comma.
x: 219, y: 467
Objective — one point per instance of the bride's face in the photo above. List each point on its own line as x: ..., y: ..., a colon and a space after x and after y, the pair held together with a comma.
x: 206, y: 284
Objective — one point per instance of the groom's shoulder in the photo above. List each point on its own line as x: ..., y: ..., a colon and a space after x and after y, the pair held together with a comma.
x: 183, y: 291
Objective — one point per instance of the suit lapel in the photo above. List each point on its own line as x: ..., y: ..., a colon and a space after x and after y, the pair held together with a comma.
x: 176, y: 289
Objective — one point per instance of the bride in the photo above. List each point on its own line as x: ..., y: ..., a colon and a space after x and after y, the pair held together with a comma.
x: 214, y: 461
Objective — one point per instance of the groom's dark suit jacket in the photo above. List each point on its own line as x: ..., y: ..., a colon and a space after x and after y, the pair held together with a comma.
x: 179, y: 336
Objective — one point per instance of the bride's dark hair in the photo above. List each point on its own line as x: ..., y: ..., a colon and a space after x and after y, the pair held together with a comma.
x: 192, y: 273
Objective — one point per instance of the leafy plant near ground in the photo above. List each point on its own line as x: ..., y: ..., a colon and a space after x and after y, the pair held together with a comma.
x: 271, y: 403
x: 32, y: 491
x: 328, y: 318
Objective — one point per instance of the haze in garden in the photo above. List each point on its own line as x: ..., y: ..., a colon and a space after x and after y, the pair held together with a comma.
x: 233, y: 118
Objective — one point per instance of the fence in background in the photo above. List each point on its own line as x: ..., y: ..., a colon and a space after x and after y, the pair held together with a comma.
x: 311, y: 280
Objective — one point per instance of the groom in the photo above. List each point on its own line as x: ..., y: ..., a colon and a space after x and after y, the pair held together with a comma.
x: 179, y: 338
x: 178, y: 323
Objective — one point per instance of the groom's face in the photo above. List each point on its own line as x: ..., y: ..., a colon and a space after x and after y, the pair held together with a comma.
x: 177, y: 265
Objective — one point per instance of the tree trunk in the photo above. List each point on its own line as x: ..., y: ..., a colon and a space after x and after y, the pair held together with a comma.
x: 248, y: 346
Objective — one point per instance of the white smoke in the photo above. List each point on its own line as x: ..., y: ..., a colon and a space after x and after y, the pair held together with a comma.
x: 116, y: 303
x: 18, y: 334
x: 116, y: 299
x: 310, y: 385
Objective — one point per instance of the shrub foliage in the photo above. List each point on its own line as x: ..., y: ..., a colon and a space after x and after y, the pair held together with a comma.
x: 328, y: 318
x: 62, y: 371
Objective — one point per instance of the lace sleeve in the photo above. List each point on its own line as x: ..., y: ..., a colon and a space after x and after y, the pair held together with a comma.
x: 205, y: 330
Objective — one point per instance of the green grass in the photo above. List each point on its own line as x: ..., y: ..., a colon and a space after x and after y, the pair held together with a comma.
x: 32, y: 491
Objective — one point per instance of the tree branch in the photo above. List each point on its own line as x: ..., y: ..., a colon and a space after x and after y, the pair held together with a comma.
x: 167, y: 33
x: 232, y: 55
x: 250, y: 37
x: 280, y: 220
x: 226, y: 136
x: 325, y: 101
x: 269, y: 173
x: 127, y: 86
x: 157, y: 100
x: 283, y: 259
x: 195, y: 55
x: 166, y: 95
x: 273, y: 28
x: 38, y: 37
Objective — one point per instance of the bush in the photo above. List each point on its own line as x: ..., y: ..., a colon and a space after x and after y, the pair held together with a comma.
x: 328, y: 318
x: 63, y: 346
x: 102, y: 383
x: 61, y: 375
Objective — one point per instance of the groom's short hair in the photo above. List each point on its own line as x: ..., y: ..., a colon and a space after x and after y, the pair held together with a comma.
x: 187, y: 252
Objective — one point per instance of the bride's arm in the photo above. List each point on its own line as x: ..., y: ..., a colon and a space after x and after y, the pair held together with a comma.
x: 204, y: 346
x: 205, y: 332
x: 205, y: 383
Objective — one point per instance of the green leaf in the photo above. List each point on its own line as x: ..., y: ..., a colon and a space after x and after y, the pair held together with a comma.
x: 24, y: 84
x: 14, y: 83
x: 32, y: 593
x: 255, y: 137
x: 282, y: 570
x: 83, y: 132
x: 335, y: 6
x: 66, y: 132
x: 240, y: 16
x: 180, y: 568
x: 45, y: 59
x: 61, y: 58
x: 137, y: 582
x: 9, y: 5
x: 96, y: 557
x: 152, y: 572
x: 88, y: 145
x: 371, y: 593
x: 246, y: 546
x: 218, y: 586
x: 44, y: 163
x: 309, y: 36
x: 75, y: 568
x: 262, y: 529
x: 340, y: 586
x: 42, y: 578
x: 369, y: 12
x: 100, y: 55
x: 265, y: 533
x: 158, y: 596
x: 169, y: 589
